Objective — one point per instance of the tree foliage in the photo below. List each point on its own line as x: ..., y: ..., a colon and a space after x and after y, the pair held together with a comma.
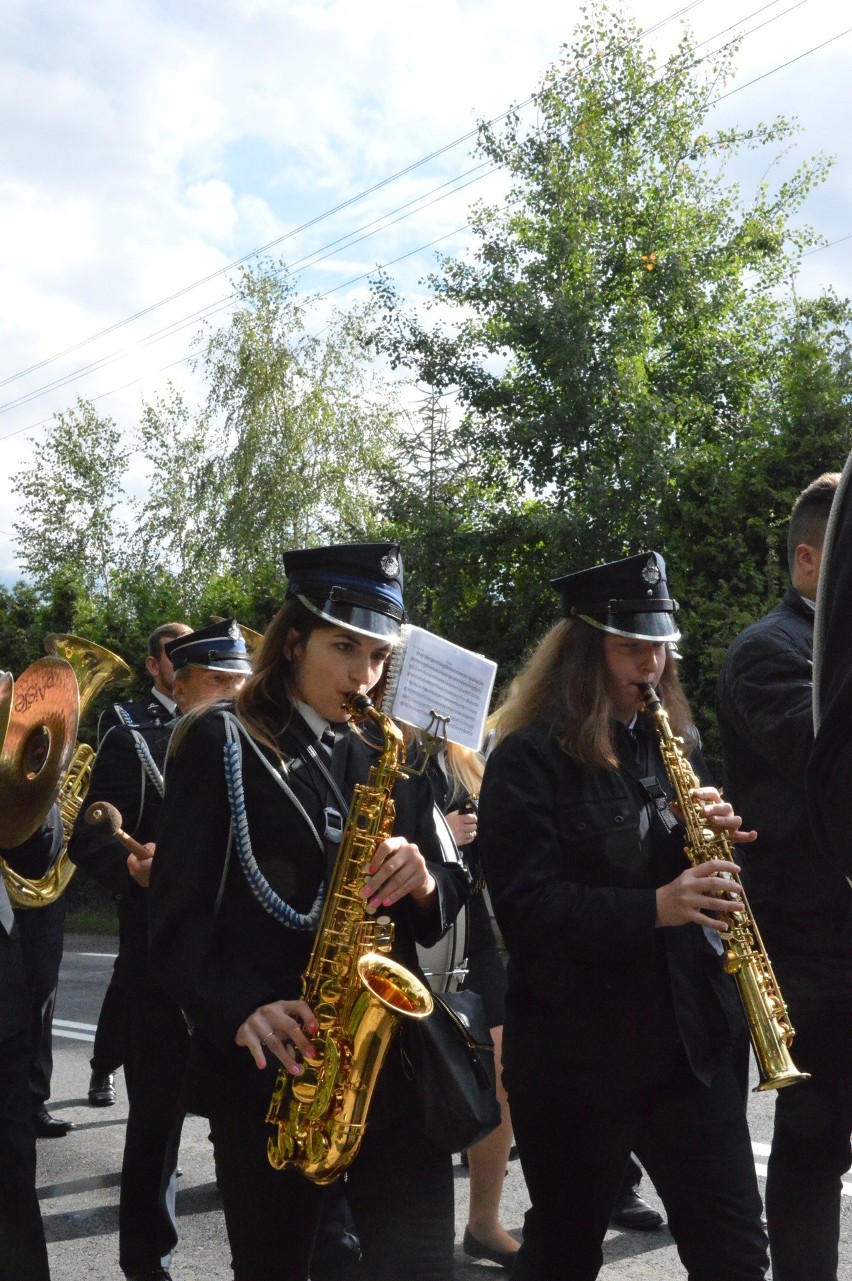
x: 286, y: 446
x: 624, y: 341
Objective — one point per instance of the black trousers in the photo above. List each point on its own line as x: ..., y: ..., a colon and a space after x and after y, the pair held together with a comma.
x: 155, y: 1052
x: 813, y: 1122
x: 23, y: 1255
x: 109, y: 1045
x: 41, y: 931
x: 692, y: 1139
x: 400, y: 1191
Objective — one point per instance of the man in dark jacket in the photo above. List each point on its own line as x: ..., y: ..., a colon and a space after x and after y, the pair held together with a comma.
x: 801, y: 903
x: 154, y: 709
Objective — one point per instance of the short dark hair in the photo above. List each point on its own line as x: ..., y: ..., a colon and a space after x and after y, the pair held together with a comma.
x: 809, y: 516
x: 165, y: 632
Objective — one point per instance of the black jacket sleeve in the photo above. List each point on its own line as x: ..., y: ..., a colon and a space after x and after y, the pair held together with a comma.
x: 118, y: 778
x: 766, y: 692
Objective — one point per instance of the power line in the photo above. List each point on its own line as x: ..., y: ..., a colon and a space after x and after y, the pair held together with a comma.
x: 210, y: 309
x: 781, y: 67
x: 134, y: 381
x: 349, y: 239
x: 312, y: 222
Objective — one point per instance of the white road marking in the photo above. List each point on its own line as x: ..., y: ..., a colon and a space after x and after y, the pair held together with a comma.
x: 74, y: 1031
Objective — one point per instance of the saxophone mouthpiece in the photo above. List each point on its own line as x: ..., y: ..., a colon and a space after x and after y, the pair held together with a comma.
x: 358, y: 704
x: 649, y: 697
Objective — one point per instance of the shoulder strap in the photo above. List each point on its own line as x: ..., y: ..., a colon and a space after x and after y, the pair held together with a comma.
x: 266, y: 896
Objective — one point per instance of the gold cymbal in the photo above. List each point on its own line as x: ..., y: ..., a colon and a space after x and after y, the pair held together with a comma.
x: 38, y: 746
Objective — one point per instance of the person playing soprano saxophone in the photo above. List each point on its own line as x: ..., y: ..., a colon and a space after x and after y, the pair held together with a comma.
x: 620, y: 1021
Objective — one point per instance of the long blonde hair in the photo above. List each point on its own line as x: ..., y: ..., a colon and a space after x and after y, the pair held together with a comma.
x: 464, y: 768
x: 563, y: 683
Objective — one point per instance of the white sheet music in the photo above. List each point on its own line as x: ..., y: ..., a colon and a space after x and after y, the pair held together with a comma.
x: 429, y: 674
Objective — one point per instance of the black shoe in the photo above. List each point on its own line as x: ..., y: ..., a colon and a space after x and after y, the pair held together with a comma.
x: 156, y: 1274
x: 476, y: 1250
x: 631, y: 1212
x: 50, y: 1127
x: 102, y: 1089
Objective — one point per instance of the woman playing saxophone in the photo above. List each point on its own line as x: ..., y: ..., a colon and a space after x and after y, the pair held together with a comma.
x: 235, y: 920
x: 620, y: 1021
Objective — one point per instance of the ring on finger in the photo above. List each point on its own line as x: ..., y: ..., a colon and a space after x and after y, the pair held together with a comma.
x: 267, y: 1038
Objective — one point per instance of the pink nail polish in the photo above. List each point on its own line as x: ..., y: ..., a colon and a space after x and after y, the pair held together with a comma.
x: 296, y: 1069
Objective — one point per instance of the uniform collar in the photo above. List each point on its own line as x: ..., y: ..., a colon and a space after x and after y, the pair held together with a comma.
x: 169, y: 704
x: 316, y: 724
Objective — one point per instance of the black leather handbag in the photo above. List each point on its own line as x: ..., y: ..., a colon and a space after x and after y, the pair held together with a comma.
x: 451, y: 1056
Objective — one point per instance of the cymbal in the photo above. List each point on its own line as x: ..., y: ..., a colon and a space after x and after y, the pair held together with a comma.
x: 38, y: 746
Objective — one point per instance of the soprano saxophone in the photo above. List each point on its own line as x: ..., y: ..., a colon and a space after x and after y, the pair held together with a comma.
x: 357, y: 993
x: 745, y: 956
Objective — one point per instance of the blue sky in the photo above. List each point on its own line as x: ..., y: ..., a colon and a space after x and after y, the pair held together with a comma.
x: 144, y: 146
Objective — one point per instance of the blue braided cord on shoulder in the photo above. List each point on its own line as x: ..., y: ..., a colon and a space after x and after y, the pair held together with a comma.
x: 258, y: 884
x: 149, y: 765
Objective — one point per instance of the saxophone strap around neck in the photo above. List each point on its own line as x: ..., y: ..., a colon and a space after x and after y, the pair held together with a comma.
x: 263, y: 892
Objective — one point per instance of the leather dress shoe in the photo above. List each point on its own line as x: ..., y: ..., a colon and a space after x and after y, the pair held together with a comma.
x: 478, y: 1250
x: 102, y: 1089
x: 50, y: 1127
x: 632, y: 1212
x: 154, y: 1274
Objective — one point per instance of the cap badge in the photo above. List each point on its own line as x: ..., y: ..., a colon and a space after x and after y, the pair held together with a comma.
x: 651, y: 572
x: 389, y: 565
x: 234, y: 632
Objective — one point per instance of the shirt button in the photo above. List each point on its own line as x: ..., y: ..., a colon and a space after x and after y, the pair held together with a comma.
x: 619, y: 818
x: 581, y: 827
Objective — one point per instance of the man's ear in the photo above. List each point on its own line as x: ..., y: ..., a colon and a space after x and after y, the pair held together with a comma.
x: 152, y: 666
x: 807, y: 557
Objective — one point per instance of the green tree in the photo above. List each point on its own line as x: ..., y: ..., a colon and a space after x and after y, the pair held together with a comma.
x: 625, y: 345
x: 286, y: 447
x: 72, y: 527
x: 623, y: 302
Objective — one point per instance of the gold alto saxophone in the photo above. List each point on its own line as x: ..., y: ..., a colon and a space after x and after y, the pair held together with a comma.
x: 745, y: 955
x: 355, y: 990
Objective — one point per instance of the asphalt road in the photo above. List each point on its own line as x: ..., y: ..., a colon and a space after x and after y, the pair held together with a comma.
x: 78, y: 1175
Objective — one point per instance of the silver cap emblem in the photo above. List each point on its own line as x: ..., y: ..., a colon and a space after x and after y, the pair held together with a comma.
x: 651, y: 572
x: 234, y: 631
x: 389, y: 565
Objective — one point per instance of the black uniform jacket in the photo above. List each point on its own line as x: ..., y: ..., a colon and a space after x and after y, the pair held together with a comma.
x: 31, y: 859
x: 597, y: 994
x: 801, y: 902
x: 119, y: 778
x: 146, y: 711
x: 223, y: 963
